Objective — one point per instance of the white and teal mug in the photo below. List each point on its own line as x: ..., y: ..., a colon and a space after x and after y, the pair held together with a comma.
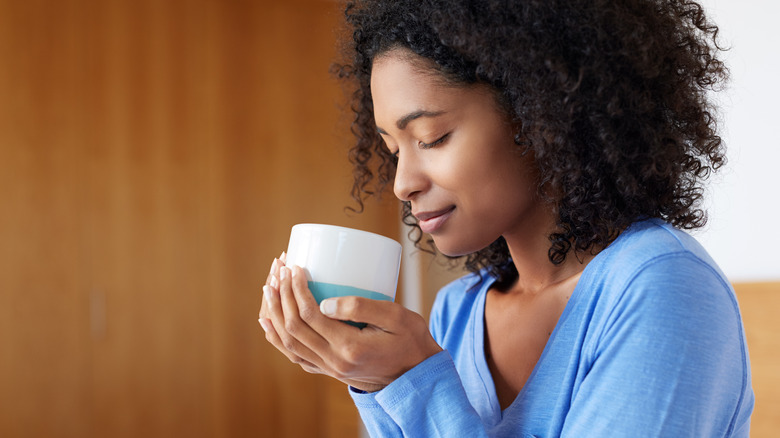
x: 341, y: 261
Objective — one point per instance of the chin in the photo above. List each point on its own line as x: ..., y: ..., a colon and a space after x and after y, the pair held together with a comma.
x: 456, y: 249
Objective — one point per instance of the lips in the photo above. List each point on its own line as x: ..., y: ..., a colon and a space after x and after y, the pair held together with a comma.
x: 430, y: 221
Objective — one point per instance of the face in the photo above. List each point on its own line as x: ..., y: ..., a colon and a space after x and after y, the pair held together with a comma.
x: 458, y: 165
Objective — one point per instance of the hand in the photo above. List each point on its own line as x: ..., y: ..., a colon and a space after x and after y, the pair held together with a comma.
x: 394, y: 340
x: 272, y: 287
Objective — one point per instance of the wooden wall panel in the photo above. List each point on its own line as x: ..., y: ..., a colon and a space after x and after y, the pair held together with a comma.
x: 760, y: 303
x: 153, y: 157
x: 149, y: 236
x: 44, y: 337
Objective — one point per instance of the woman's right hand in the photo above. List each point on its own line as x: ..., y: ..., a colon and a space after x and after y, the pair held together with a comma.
x: 394, y: 341
x: 270, y: 288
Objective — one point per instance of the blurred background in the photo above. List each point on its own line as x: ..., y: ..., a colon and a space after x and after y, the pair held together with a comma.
x: 154, y: 155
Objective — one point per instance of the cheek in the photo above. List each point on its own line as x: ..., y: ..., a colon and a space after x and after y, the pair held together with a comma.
x: 503, y: 184
x: 462, y: 176
x: 468, y: 163
x: 473, y: 181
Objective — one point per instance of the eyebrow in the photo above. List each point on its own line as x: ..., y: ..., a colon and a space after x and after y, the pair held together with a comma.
x: 403, y: 121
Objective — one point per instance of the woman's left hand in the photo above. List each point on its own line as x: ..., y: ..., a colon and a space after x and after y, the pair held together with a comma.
x: 393, y: 342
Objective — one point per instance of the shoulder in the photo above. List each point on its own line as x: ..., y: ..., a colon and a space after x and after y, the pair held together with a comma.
x: 655, y: 237
x: 659, y: 307
x: 660, y: 278
x: 654, y: 250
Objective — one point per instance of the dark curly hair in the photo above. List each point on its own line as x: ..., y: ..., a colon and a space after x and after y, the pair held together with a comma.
x: 610, y: 96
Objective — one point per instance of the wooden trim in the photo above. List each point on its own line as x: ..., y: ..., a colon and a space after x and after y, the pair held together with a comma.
x: 759, y: 304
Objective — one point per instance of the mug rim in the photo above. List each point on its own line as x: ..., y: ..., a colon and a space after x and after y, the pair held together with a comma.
x: 346, y: 229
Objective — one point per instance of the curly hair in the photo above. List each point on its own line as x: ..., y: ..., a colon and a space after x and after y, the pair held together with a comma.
x: 610, y: 96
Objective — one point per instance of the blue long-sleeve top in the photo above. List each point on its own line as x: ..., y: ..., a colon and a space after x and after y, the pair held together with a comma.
x: 650, y: 344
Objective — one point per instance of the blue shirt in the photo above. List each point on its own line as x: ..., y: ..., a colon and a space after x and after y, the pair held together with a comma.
x: 650, y: 343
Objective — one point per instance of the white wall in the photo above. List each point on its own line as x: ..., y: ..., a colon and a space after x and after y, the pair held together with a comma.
x: 744, y: 197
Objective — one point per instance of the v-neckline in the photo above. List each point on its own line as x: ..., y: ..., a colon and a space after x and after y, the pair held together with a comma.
x: 480, y: 358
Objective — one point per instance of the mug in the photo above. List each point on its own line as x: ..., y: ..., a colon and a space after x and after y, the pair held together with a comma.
x: 341, y: 261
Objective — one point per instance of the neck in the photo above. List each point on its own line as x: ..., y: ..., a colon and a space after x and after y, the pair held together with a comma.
x: 529, y: 252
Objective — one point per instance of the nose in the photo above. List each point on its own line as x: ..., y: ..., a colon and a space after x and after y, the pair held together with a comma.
x: 410, y: 178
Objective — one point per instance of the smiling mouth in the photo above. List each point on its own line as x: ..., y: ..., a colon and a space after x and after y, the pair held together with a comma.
x: 430, y: 221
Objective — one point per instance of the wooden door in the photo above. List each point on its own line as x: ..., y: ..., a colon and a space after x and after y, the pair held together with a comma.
x: 153, y: 156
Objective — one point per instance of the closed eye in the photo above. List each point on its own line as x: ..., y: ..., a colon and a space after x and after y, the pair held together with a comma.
x: 434, y: 143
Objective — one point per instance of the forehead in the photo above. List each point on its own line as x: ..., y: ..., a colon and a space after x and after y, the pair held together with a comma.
x: 402, y: 81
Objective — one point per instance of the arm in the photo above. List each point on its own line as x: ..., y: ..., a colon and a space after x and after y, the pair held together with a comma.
x: 427, y: 401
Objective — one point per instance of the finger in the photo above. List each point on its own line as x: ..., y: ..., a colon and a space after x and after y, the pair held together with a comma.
x: 272, y: 272
x: 312, y: 369
x: 285, y: 318
x: 273, y: 337
x: 275, y: 271
x: 310, y: 313
x: 265, y: 311
x: 273, y: 275
x: 308, y: 308
x: 266, y: 293
x: 381, y: 314
x: 274, y: 330
x: 293, y: 288
x: 272, y: 281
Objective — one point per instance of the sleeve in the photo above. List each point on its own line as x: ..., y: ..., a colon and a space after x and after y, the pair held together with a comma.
x: 377, y: 422
x: 428, y: 401
x: 669, y: 360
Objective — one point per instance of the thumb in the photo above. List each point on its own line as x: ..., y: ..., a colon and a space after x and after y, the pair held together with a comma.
x: 329, y: 307
x: 351, y: 308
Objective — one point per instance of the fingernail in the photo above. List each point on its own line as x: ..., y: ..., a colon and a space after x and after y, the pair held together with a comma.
x: 264, y: 324
x: 285, y: 272
x: 283, y: 257
x: 328, y: 307
x: 274, y: 282
x: 266, y: 293
x: 273, y: 267
x: 294, y: 272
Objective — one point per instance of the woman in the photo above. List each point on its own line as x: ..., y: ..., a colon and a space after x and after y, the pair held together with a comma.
x: 561, y: 147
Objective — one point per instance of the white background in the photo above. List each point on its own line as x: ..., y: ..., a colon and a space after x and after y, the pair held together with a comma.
x: 743, y: 201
